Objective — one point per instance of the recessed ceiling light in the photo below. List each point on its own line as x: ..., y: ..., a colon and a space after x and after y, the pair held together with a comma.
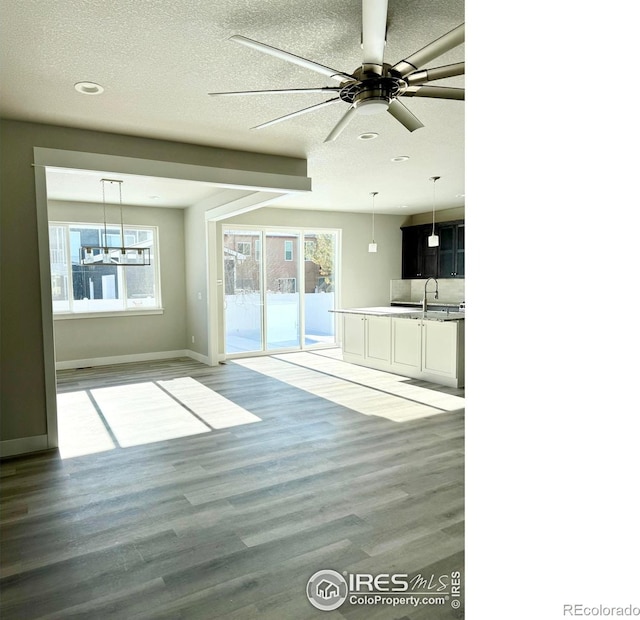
x: 400, y: 158
x: 459, y: 195
x: 403, y: 207
x: 89, y: 88
x: 154, y: 197
x: 370, y: 135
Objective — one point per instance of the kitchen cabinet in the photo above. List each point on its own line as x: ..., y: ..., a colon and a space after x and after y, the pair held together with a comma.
x: 442, y: 351
x: 367, y: 337
x: 406, y: 339
x: 378, y: 338
x: 418, y: 259
x: 353, y: 335
x: 451, y: 250
x: 444, y: 261
x: 431, y: 350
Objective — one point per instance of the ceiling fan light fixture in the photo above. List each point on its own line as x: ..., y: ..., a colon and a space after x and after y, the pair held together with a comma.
x: 369, y: 107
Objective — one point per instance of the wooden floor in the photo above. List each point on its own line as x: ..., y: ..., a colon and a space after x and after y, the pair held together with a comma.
x: 229, y: 518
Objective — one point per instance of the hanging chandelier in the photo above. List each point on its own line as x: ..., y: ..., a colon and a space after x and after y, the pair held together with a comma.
x: 106, y: 254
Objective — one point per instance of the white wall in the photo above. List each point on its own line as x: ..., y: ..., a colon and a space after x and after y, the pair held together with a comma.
x: 103, y: 337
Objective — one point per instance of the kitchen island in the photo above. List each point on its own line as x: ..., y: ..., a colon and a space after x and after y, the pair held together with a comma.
x: 422, y: 345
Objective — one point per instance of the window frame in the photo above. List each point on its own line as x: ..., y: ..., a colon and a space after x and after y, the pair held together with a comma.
x: 125, y: 310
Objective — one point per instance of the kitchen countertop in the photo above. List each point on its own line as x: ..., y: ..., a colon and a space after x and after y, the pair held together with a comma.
x: 405, y: 313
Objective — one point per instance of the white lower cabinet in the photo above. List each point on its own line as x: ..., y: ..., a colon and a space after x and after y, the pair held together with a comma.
x: 406, y: 345
x: 429, y: 350
x: 378, y: 338
x: 353, y: 335
x: 442, y: 353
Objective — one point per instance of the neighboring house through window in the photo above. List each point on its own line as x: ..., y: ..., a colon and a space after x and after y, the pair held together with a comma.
x: 78, y: 288
x: 288, y: 250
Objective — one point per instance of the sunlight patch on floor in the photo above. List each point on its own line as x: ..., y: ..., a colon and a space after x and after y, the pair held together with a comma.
x: 211, y: 407
x: 359, y: 398
x: 80, y: 429
x: 142, y: 413
x: 385, y: 381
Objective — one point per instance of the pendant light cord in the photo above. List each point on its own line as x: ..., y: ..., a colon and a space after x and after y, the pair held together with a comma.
x: 104, y: 215
x: 373, y: 216
x: 433, y: 207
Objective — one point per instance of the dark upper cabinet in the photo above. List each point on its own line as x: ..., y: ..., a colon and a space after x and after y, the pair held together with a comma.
x: 451, y: 250
x: 418, y: 259
x: 444, y: 261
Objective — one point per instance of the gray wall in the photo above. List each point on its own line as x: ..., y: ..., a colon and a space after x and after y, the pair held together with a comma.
x: 24, y: 385
x: 96, y: 337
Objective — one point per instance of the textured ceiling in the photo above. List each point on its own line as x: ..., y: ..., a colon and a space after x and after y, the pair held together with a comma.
x: 157, y: 61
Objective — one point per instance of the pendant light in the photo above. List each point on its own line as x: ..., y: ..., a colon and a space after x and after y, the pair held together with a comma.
x: 114, y: 255
x: 433, y: 241
x: 373, y: 246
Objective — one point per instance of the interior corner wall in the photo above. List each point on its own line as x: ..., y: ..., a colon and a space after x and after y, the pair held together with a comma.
x: 115, y: 336
x: 23, y: 399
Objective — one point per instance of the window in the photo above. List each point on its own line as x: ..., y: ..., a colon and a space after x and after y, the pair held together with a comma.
x: 244, y: 247
x: 80, y: 288
x: 288, y: 250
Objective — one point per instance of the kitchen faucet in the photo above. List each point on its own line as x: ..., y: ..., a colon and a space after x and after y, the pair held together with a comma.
x: 424, y: 301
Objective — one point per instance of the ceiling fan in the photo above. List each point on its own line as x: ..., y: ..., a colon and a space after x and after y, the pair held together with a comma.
x: 375, y: 86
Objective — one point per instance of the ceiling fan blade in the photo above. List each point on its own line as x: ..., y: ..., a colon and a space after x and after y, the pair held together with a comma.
x: 342, y: 123
x: 281, y: 91
x: 436, y: 48
x: 436, y: 73
x: 296, y: 60
x: 436, y: 92
x: 401, y: 113
x: 374, y: 32
x: 298, y: 113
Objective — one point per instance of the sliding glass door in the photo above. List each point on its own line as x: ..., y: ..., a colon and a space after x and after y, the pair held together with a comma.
x: 281, y: 259
x: 242, y: 290
x: 280, y: 286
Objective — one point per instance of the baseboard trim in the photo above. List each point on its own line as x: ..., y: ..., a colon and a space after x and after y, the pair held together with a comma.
x: 135, y: 357
x: 24, y: 445
x: 198, y: 357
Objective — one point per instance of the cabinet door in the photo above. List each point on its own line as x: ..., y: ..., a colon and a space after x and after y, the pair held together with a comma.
x: 406, y: 344
x: 410, y: 252
x: 353, y: 334
x: 378, y: 337
x: 451, y: 251
x: 440, y: 347
x: 459, y: 251
x: 418, y: 259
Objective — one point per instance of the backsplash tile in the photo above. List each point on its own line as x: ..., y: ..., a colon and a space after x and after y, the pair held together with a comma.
x: 450, y: 290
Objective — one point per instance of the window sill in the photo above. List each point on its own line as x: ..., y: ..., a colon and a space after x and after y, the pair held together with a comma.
x: 63, y: 316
